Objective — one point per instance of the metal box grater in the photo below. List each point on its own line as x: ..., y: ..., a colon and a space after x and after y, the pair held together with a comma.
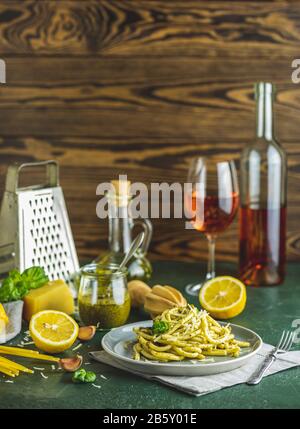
x: 35, y: 228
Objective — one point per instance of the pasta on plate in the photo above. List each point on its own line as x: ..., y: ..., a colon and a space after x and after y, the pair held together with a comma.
x: 185, y: 333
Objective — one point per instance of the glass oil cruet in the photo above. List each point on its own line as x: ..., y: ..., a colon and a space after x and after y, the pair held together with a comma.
x: 121, y: 226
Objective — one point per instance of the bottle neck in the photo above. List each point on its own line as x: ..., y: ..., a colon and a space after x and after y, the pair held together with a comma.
x: 264, y: 114
x: 120, y: 225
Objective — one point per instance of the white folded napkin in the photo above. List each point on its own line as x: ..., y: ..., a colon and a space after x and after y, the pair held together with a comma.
x: 211, y: 383
x: 14, y: 312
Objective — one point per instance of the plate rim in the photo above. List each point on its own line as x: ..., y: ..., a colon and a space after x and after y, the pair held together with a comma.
x: 179, y: 364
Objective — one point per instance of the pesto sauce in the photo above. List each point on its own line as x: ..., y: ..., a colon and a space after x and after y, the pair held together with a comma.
x: 105, y: 312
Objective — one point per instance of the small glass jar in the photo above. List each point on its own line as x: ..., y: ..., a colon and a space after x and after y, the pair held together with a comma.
x: 103, y: 298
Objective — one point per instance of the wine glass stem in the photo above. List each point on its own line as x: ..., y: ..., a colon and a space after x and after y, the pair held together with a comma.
x: 211, y: 272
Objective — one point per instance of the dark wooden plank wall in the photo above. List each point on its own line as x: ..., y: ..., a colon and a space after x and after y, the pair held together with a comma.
x: 139, y: 87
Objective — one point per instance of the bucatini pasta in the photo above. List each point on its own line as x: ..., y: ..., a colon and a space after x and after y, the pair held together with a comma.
x: 11, y: 368
x: 185, y: 333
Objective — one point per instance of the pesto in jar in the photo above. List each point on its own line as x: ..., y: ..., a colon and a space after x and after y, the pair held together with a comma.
x: 105, y: 311
x: 103, y: 296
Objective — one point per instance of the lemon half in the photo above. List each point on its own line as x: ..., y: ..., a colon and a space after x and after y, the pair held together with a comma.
x: 53, y: 331
x: 223, y: 297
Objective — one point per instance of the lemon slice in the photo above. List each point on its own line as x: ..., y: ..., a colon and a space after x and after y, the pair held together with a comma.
x: 3, y: 319
x: 53, y: 331
x: 223, y: 297
x: 3, y: 315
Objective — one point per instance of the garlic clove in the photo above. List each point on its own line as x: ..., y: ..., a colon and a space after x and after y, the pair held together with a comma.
x: 86, y: 333
x: 71, y: 364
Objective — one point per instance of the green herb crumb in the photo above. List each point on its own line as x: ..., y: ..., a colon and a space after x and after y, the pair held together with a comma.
x: 83, y: 376
x: 160, y: 327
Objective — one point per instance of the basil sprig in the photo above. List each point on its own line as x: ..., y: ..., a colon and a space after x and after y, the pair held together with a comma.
x: 160, y: 327
x: 17, y: 285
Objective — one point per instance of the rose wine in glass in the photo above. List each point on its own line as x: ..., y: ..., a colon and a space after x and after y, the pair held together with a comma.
x: 211, y: 204
x: 263, y: 199
x: 218, y: 212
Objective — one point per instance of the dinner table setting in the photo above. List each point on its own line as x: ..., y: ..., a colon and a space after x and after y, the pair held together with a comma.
x: 124, y: 330
x: 269, y: 312
x: 149, y: 211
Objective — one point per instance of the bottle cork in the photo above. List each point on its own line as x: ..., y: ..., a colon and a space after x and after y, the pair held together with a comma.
x: 122, y: 192
x: 122, y: 187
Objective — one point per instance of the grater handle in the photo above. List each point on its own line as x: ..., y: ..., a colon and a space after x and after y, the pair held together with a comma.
x: 13, y: 172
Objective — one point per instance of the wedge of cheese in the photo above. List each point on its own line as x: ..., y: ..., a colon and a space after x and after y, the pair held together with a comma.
x: 55, y: 295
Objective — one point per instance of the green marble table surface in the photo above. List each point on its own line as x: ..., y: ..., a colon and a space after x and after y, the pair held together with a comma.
x: 268, y: 312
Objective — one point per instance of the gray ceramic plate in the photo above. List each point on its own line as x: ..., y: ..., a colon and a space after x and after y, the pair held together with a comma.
x: 118, y: 343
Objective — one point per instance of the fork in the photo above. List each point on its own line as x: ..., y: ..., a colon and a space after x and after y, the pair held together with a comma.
x: 284, y: 345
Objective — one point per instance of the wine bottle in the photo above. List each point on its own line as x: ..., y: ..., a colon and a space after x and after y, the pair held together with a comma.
x: 263, y: 173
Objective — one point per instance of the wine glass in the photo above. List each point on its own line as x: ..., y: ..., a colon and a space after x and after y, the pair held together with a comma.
x: 211, y: 202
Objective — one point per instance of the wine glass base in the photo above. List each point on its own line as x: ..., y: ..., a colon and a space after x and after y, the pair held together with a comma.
x: 193, y: 288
